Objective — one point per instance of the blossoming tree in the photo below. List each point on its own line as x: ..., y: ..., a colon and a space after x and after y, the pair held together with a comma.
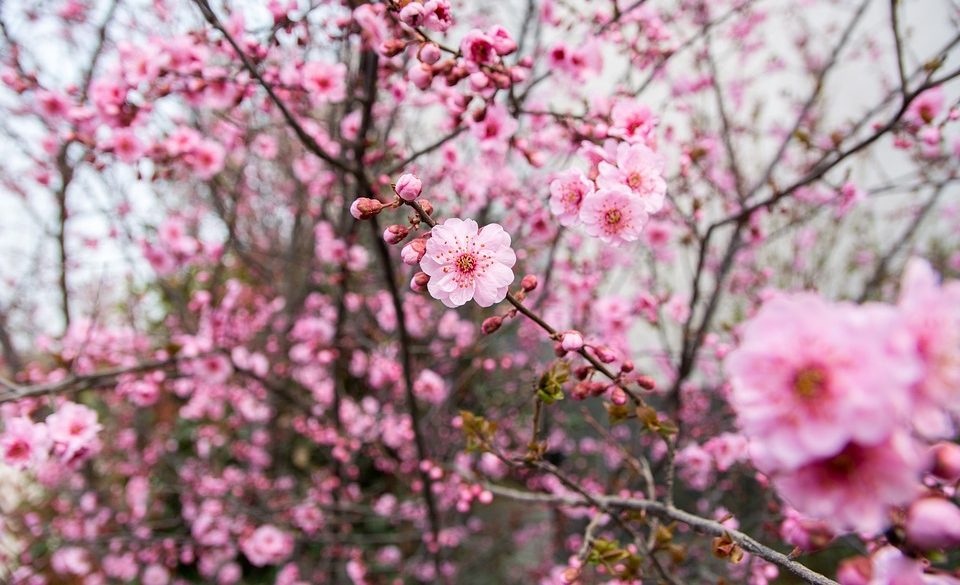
x: 530, y: 291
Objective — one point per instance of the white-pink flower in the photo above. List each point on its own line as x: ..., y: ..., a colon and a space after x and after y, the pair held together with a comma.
x: 324, y: 81
x: 567, y: 193
x: 465, y: 262
x: 73, y: 428
x: 810, y: 376
x: 268, y: 545
x: 614, y: 215
x: 640, y: 170
x: 23, y: 442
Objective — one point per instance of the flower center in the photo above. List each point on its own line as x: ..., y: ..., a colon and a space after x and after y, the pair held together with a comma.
x: 466, y: 263
x: 18, y: 450
x: 634, y: 180
x: 810, y: 382
x: 573, y: 197
x: 613, y: 216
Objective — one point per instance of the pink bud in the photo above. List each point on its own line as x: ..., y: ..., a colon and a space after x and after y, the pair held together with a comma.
x: 855, y: 571
x: 933, y: 523
x: 626, y: 367
x: 419, y: 282
x: 491, y: 324
x: 413, y: 252
x: 420, y: 76
x: 646, y: 382
x: 946, y: 457
x: 485, y: 497
x: 364, y: 208
x: 392, y: 47
x: 503, y: 43
x: 529, y: 282
x: 429, y: 53
x: 618, y: 396
x: 408, y: 187
x: 571, y: 341
x: 478, y: 81
x: 605, y: 354
x: 395, y: 234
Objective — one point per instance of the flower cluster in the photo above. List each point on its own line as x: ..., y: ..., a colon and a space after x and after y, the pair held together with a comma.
x: 832, y: 396
x: 68, y: 436
x: 614, y: 207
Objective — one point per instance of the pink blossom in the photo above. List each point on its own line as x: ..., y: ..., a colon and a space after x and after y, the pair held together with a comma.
x: 567, y: 193
x: 925, y: 107
x: 23, y: 442
x: 73, y: 429
x: 640, y: 170
x: 932, y: 313
x: 478, y: 49
x: 430, y: 387
x: 614, y: 215
x: 856, y: 488
x: 465, y: 262
x: 809, y: 376
x: 633, y: 122
x: 207, y: 159
x: 268, y: 545
x: 325, y: 82
x: 571, y: 341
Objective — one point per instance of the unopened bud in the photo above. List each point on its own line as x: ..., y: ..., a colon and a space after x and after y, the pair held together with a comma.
x: 933, y: 523
x: 946, y: 461
x: 429, y: 53
x: 626, y: 367
x: 605, y: 354
x: 529, y: 282
x: 413, y: 252
x: 491, y: 324
x: 582, y: 372
x: 364, y: 208
x: 395, y: 234
x: 420, y: 76
x: 392, y: 47
x: 646, y: 382
x: 419, y: 282
x: 618, y: 396
x: 408, y: 187
x: 412, y: 14
x: 571, y: 341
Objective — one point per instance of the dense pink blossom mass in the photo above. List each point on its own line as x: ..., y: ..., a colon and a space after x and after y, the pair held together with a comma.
x: 383, y: 292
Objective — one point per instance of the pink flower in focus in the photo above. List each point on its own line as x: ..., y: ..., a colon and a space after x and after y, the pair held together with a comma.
x: 640, y: 170
x: 614, y: 215
x: 268, y: 545
x: 465, y: 262
x: 856, y: 488
x: 73, y: 429
x: 809, y: 377
x: 23, y: 442
x: 567, y: 193
x: 324, y: 81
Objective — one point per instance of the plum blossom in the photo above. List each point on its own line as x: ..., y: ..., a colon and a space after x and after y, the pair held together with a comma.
x: 268, y: 545
x: 430, y: 387
x: 324, y: 81
x: 73, y: 428
x: 856, y: 488
x: 932, y: 313
x: 639, y: 169
x: 465, y: 262
x: 614, y: 215
x: 567, y: 193
x: 802, y: 390
x: 23, y: 442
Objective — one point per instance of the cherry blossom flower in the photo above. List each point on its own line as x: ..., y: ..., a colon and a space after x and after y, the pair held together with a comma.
x: 23, y: 442
x: 640, y: 170
x: 802, y: 390
x: 567, y: 192
x: 856, y: 488
x: 268, y: 545
x: 325, y: 81
x: 465, y: 262
x: 932, y: 313
x: 614, y: 215
x: 73, y: 429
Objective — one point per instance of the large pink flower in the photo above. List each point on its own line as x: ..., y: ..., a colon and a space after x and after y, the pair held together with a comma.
x: 614, y: 215
x: 932, y: 312
x: 567, y: 193
x: 465, y: 262
x: 23, y: 442
x: 324, y: 81
x: 640, y: 170
x: 73, y: 428
x: 856, y: 488
x: 810, y: 376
